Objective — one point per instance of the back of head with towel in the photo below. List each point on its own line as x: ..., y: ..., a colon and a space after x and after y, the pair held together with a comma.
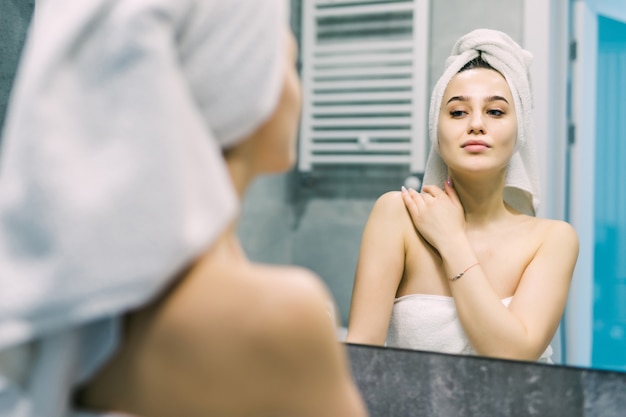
x: 113, y: 180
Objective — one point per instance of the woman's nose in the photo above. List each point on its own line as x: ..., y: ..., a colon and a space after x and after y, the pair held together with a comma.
x: 476, y: 123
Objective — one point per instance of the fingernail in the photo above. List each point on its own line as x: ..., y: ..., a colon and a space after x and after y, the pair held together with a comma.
x: 403, y: 189
x: 449, y: 182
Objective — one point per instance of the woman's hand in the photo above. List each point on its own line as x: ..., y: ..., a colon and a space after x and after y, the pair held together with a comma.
x: 437, y: 214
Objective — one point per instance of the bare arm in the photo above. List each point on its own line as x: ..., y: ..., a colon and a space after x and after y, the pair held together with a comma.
x: 523, y: 330
x: 379, y: 271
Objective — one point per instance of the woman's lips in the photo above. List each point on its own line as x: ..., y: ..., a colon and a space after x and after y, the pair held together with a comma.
x: 475, y: 146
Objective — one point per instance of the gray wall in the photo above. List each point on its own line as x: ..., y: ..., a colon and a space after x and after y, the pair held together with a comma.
x: 14, y: 20
x: 450, y: 19
x: 317, y: 221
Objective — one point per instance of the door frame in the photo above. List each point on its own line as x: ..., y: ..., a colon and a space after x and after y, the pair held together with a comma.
x: 546, y: 33
x: 579, y: 311
x: 579, y: 314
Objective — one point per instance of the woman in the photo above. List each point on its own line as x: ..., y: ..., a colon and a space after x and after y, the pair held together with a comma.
x: 464, y: 266
x: 134, y: 129
x: 234, y: 338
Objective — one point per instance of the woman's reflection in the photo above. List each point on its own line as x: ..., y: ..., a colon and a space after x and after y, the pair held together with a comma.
x: 468, y: 268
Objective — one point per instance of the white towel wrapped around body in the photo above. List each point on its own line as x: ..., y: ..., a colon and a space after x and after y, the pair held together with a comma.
x: 112, y: 177
x: 431, y: 323
x: 506, y: 56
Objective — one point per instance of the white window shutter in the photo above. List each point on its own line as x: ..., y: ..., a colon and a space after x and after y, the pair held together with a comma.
x: 364, y: 78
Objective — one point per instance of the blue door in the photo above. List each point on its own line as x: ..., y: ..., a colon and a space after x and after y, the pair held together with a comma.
x: 609, y: 264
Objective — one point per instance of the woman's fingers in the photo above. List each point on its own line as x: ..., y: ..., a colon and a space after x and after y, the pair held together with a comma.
x: 412, y: 200
x: 432, y: 190
x: 448, y: 191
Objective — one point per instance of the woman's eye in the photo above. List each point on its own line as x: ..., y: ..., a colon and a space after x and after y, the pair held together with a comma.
x: 457, y: 113
x: 495, y: 112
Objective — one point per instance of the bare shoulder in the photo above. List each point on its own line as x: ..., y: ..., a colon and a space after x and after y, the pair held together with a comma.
x: 293, y: 298
x: 299, y: 343
x: 558, y: 232
x: 299, y: 334
x: 553, y: 240
x: 294, y: 281
x: 390, y: 202
x: 390, y: 207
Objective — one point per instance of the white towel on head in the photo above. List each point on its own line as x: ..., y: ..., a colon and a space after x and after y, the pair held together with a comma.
x: 505, y: 55
x: 111, y: 173
x: 112, y: 177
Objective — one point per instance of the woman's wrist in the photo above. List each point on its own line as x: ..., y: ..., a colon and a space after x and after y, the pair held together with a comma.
x: 452, y: 245
x: 460, y: 274
x: 457, y: 255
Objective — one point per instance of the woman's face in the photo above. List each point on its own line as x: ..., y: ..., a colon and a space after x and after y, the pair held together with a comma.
x: 477, y: 126
x: 276, y: 138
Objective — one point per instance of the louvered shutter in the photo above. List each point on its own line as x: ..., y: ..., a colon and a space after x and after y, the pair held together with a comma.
x: 364, y: 76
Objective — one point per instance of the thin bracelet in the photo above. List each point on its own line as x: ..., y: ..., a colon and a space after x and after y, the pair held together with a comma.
x: 460, y: 274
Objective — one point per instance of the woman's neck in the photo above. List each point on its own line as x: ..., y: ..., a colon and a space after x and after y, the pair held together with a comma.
x: 225, y: 249
x: 241, y: 174
x: 482, y: 199
x: 227, y: 246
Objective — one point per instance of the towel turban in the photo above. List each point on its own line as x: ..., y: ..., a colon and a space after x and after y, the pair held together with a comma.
x: 521, y: 190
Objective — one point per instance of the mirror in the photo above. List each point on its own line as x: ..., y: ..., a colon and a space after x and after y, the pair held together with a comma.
x: 315, y: 219
x: 328, y: 206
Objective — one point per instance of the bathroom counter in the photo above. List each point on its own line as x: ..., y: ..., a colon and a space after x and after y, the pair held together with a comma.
x: 404, y: 383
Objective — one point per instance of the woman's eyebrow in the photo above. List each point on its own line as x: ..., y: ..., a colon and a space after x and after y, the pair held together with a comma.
x: 457, y: 98
x: 487, y: 99
x: 496, y: 98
